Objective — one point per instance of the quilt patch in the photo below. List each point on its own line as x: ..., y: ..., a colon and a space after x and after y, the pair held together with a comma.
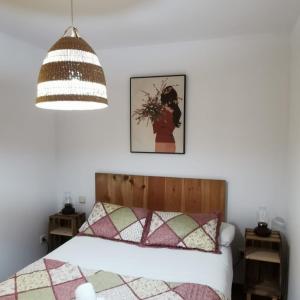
x: 43, y: 280
x: 53, y: 280
x: 115, y: 222
x: 178, y: 230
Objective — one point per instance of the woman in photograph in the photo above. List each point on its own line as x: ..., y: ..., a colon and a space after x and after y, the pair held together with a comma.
x: 168, y: 120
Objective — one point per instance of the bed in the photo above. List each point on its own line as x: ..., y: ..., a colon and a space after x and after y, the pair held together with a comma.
x: 157, y: 265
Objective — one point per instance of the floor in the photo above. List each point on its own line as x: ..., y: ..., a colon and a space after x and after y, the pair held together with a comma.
x: 238, y: 294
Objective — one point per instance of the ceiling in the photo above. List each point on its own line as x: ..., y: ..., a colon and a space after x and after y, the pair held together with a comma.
x: 122, y: 23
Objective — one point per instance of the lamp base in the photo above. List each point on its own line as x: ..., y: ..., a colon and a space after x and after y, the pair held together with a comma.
x: 68, y: 209
x: 262, y: 229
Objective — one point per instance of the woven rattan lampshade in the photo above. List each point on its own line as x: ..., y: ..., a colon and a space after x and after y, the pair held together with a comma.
x: 71, y: 77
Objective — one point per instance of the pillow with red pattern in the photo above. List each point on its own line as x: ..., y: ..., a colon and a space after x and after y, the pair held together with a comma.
x: 115, y: 222
x: 179, y: 230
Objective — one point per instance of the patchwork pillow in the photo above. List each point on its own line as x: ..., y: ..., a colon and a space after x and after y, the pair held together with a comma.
x: 179, y: 230
x: 115, y: 222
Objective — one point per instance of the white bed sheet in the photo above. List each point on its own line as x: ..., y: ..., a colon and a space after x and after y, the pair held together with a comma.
x: 214, y: 270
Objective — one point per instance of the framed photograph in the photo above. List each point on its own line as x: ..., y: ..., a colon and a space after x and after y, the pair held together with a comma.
x: 157, y: 114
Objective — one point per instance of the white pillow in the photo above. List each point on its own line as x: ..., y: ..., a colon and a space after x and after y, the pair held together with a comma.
x: 226, y: 236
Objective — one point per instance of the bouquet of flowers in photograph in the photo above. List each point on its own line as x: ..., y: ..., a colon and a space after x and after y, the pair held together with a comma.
x: 151, y: 108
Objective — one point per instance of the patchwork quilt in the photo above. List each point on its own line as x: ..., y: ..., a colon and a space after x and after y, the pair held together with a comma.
x: 54, y: 280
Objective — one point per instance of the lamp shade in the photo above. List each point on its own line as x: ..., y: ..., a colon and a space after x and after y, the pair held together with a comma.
x: 71, y: 77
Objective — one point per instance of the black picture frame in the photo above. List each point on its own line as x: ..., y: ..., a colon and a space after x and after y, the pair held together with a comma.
x: 183, y: 116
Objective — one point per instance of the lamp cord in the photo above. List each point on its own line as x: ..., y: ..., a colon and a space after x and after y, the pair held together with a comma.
x: 72, y: 13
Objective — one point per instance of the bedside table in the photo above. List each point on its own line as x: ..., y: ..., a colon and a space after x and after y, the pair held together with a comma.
x: 263, y: 265
x: 63, y: 227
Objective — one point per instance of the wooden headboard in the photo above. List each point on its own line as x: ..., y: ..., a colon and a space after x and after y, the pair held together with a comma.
x: 162, y: 193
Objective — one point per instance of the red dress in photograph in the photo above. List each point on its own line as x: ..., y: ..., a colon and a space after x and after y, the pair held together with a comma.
x: 163, y: 127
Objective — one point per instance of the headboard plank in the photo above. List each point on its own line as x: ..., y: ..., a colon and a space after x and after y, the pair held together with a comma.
x: 174, y: 194
x: 138, y: 191
x: 162, y: 193
x: 156, y: 193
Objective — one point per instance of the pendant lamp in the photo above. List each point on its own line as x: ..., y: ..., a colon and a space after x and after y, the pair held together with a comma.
x: 71, y: 77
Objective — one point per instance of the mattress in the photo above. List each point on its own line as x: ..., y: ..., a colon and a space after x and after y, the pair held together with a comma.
x: 172, y: 265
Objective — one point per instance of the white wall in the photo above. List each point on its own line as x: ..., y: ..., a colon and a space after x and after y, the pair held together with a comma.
x: 294, y: 159
x: 237, y: 118
x: 27, y: 158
